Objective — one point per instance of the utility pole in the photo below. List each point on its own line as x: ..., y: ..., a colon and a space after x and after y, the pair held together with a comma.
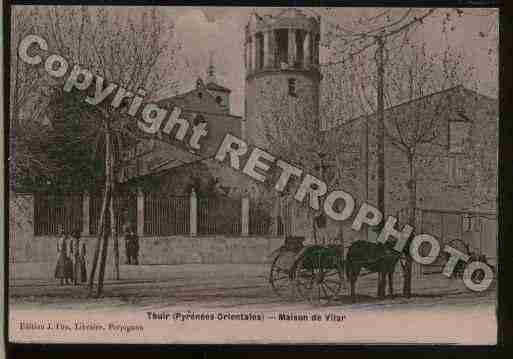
x: 366, y: 145
x: 381, y: 124
x: 321, y: 167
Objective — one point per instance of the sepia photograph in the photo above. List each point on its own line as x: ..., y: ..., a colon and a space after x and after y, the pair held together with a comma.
x: 252, y: 175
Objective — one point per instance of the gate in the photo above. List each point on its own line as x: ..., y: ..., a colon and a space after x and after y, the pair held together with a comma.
x: 219, y: 215
x: 260, y: 220
x: 474, y: 231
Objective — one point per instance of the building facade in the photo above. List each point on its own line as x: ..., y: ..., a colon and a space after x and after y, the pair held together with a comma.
x: 453, y: 174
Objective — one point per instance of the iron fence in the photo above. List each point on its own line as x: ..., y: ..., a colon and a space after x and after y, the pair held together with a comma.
x: 166, y: 215
x: 53, y: 210
x: 219, y: 215
x: 125, y: 208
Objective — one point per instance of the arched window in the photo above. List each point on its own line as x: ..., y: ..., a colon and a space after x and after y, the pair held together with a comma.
x: 282, y: 46
x: 316, y: 49
x: 300, y: 56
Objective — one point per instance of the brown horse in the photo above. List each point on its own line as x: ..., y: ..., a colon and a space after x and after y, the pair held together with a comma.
x: 374, y: 257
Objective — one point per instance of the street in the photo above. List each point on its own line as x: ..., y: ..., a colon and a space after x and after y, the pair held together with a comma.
x: 220, y: 286
x: 441, y: 310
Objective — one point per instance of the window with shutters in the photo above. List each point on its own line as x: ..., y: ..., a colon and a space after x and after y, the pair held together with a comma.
x: 456, y: 169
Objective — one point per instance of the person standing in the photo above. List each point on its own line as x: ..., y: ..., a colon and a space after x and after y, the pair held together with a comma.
x: 134, y: 239
x: 82, y: 259
x: 75, y: 250
x: 64, y: 267
x: 322, y: 228
x: 128, y: 244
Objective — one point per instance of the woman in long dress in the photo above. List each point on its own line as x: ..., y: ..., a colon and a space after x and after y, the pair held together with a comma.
x: 75, y: 255
x: 82, y: 259
x: 64, y: 267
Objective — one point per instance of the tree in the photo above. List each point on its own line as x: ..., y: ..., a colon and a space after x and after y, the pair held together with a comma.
x: 414, y: 74
x: 27, y: 103
x: 374, y: 88
x: 127, y: 51
x: 135, y: 49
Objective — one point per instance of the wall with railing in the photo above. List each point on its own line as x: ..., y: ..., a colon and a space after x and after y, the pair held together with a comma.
x: 172, y: 229
x: 155, y: 214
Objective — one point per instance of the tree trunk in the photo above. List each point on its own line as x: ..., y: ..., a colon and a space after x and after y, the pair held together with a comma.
x: 100, y: 229
x: 108, y: 184
x: 407, y: 277
x: 314, y: 228
x: 381, y: 125
x: 113, y: 230
x: 412, y: 204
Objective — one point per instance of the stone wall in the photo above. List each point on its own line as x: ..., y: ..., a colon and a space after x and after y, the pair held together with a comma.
x: 166, y: 250
x: 268, y: 101
x: 21, y: 225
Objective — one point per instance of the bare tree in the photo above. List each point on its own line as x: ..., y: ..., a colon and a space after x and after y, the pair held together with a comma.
x: 390, y: 75
x: 134, y: 48
x: 414, y: 130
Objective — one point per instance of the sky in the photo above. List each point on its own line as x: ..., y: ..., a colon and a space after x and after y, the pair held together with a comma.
x: 220, y: 31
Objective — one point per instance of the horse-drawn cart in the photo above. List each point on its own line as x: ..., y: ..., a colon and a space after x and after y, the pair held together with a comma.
x: 313, y: 272
x: 318, y: 273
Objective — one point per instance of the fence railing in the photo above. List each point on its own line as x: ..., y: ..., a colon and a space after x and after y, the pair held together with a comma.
x: 125, y: 208
x: 219, y: 215
x: 157, y: 214
x: 51, y: 211
x: 260, y: 222
x: 166, y: 215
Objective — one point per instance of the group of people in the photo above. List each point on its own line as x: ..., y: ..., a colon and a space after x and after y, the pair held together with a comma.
x: 71, y: 261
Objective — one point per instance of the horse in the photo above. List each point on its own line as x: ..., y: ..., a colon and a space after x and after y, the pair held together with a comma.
x: 374, y: 257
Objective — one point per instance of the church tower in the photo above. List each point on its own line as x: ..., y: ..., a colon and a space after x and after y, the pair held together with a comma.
x: 220, y: 93
x: 282, y: 73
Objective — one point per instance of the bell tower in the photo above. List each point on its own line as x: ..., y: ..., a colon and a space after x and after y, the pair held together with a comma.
x: 220, y: 93
x: 282, y: 73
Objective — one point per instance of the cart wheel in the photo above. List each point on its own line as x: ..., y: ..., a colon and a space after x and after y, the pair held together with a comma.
x: 280, y: 279
x: 318, y: 282
x: 478, y: 275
